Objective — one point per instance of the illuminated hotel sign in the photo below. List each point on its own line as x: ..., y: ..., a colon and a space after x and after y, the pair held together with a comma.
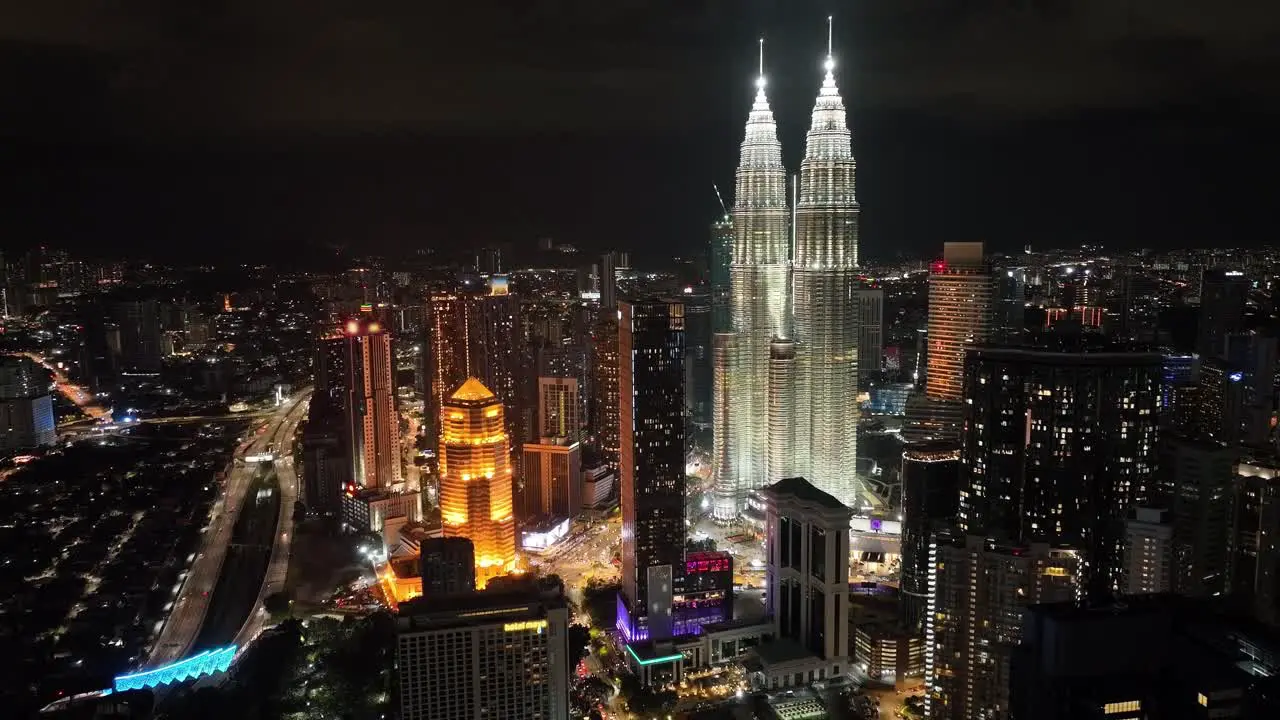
x: 526, y: 625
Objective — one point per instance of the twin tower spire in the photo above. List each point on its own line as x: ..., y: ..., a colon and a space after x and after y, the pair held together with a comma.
x: 786, y: 385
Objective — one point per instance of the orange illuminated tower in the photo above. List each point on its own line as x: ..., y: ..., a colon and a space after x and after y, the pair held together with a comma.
x: 475, y: 478
x: 374, y: 426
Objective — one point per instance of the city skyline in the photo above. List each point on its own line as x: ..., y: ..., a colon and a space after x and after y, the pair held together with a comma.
x: 381, y: 361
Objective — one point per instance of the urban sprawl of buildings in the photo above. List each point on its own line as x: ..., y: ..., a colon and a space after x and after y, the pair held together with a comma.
x: 769, y: 480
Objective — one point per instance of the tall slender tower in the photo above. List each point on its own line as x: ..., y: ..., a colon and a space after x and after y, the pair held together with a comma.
x: 374, y: 427
x: 758, y: 302
x: 826, y: 314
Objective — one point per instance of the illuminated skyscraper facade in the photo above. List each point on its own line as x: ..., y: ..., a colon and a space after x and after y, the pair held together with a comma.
x: 960, y: 314
x: 826, y: 311
x: 651, y: 348
x: 604, y: 386
x: 373, y: 424
x: 476, y: 478
x: 475, y: 334
x: 961, y: 296
x: 759, y: 309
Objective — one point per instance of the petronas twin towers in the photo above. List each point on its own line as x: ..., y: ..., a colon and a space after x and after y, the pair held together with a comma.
x: 787, y: 375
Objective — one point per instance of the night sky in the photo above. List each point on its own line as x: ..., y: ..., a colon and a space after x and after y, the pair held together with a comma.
x: 272, y: 128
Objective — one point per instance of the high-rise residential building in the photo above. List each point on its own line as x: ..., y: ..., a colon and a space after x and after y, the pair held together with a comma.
x: 930, y: 496
x: 759, y: 309
x: 807, y: 569
x: 721, y: 256
x: 499, y: 654
x: 1223, y: 295
x: 26, y: 406
x: 559, y: 407
x: 978, y: 590
x: 476, y: 334
x: 960, y: 314
x: 372, y: 423
x: 448, y: 566
x: 1148, y: 552
x: 651, y: 390
x: 870, y: 332
x: 567, y: 361
x: 1195, y: 482
x: 552, y: 478
x: 604, y: 386
x: 1059, y: 442
x: 824, y: 279
x: 476, y: 478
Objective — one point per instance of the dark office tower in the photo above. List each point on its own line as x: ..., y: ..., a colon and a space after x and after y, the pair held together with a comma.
x: 1010, y: 304
x: 448, y: 566
x: 372, y: 423
x: 1156, y: 656
x: 611, y: 263
x: 697, y: 363
x: 330, y: 365
x: 1255, y: 539
x: 489, y: 260
x: 326, y: 469
x: 1057, y: 445
x: 870, y: 302
x: 651, y: 395
x: 604, y: 387
x: 721, y: 253
x: 1218, y: 404
x: 1196, y: 479
x: 1223, y: 294
x: 139, y: 340
x: 1254, y: 357
x: 930, y: 493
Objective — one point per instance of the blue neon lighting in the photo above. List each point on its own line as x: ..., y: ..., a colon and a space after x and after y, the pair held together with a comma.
x: 206, y: 663
x: 1236, y: 376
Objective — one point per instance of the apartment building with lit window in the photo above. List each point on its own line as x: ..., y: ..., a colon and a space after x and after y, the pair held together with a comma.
x: 979, y: 588
x: 1148, y: 552
x: 1059, y: 442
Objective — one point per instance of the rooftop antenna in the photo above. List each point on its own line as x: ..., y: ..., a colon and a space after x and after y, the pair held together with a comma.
x: 831, y: 62
x: 760, y: 77
x: 721, y: 199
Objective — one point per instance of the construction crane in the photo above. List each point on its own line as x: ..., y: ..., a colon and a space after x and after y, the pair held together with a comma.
x: 721, y: 199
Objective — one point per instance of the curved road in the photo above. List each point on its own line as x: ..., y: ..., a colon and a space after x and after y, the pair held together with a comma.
x: 193, y: 598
